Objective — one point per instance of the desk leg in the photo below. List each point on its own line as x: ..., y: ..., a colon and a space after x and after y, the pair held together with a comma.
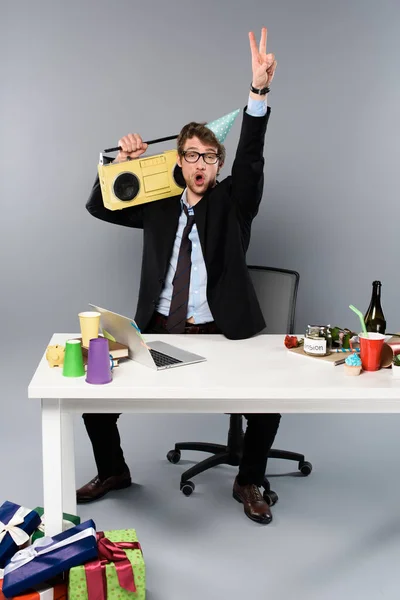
x: 68, y: 464
x: 52, y: 465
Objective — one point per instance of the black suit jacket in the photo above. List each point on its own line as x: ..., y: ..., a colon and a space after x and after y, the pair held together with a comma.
x: 223, y: 217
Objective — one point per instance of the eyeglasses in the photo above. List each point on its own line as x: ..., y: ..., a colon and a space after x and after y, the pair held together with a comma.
x: 191, y: 156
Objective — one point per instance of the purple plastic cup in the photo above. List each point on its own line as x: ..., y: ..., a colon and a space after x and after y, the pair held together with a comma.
x: 98, y: 366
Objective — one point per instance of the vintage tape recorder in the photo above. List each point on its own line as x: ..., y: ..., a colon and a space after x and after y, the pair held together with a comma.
x: 140, y: 180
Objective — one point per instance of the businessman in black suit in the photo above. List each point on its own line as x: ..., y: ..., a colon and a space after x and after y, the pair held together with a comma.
x: 194, y: 276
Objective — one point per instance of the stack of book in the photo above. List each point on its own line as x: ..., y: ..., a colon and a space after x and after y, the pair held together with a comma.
x: 117, y: 351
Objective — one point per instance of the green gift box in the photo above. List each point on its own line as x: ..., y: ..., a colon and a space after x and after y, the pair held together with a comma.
x: 81, y: 578
x: 68, y: 522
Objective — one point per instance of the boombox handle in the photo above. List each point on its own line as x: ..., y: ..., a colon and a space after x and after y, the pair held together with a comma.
x: 164, y: 139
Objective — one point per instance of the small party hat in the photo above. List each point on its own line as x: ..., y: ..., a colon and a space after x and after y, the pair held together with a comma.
x: 221, y: 127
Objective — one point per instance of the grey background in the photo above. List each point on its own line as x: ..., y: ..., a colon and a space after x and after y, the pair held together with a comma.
x: 75, y: 77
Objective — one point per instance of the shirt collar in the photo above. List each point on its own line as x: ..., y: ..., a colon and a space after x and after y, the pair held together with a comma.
x: 184, y: 199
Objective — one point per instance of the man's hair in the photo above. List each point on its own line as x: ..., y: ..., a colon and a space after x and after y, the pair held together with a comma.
x: 205, y: 135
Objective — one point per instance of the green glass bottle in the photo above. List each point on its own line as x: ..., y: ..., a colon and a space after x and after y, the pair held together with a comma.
x: 374, y: 317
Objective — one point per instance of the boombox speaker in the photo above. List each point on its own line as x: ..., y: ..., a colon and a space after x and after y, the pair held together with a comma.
x: 140, y: 180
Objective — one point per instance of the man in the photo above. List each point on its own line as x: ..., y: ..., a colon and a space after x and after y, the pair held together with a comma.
x: 194, y: 275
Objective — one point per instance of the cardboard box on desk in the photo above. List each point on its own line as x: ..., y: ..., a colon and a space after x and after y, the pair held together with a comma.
x: 68, y: 522
x: 45, y: 592
x: 17, y: 523
x: 48, y: 557
x: 84, y: 579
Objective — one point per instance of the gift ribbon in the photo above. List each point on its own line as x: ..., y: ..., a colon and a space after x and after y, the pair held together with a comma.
x: 18, y: 535
x: 95, y: 571
x: 22, y: 557
x: 65, y: 525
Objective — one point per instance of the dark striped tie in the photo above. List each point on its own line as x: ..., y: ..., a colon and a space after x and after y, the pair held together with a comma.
x: 180, y: 285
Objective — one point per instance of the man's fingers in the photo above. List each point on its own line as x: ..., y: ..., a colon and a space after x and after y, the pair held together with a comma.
x: 122, y: 143
x: 272, y: 68
x: 263, y: 41
x: 138, y: 141
x: 131, y: 142
x: 253, y: 46
x: 126, y: 143
x: 271, y: 72
x: 268, y: 60
x: 132, y: 146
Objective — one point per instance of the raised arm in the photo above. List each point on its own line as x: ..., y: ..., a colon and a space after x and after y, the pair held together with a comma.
x: 248, y: 166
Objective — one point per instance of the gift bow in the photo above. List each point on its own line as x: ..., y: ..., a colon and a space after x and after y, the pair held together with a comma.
x: 22, y: 557
x: 19, y: 536
x: 95, y: 570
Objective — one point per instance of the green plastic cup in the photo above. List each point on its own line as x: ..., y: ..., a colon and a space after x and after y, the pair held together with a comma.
x: 73, y: 359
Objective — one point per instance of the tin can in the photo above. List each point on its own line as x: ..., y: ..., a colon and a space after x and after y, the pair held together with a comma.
x: 318, y: 340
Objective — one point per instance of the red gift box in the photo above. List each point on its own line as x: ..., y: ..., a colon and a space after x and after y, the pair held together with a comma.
x: 57, y: 592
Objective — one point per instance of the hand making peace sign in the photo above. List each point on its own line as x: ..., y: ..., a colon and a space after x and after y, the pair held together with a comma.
x: 263, y: 64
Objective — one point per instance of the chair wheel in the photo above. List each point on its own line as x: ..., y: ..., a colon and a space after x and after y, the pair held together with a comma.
x: 187, y: 488
x: 270, y: 497
x: 174, y: 456
x: 305, y: 468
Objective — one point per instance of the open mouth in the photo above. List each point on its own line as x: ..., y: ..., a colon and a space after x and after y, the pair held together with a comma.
x: 199, y: 179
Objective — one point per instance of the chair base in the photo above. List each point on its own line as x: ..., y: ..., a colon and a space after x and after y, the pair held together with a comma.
x: 229, y: 454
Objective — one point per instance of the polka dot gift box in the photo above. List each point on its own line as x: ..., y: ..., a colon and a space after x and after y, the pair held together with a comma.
x: 118, y: 574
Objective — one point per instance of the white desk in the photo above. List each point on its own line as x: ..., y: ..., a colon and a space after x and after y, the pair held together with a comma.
x: 255, y: 375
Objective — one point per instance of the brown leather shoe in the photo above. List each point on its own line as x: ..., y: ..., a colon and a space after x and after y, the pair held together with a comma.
x: 254, y: 504
x: 96, y: 489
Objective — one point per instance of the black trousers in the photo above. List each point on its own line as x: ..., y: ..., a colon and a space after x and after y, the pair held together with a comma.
x: 258, y: 439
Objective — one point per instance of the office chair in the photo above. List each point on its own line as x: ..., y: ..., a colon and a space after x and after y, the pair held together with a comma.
x: 276, y: 291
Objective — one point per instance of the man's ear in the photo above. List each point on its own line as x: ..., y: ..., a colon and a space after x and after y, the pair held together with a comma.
x: 179, y: 161
x: 221, y: 164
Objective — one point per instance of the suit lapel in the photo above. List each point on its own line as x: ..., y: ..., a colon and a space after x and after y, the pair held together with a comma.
x: 171, y: 213
x: 165, y: 222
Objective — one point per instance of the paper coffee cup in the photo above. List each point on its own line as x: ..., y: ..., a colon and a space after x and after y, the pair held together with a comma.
x: 89, y: 323
x: 73, y: 359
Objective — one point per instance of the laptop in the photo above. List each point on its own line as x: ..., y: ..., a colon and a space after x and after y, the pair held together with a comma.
x: 156, y: 355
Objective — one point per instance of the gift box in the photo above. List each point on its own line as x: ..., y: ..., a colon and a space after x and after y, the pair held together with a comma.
x: 118, y: 574
x: 48, y: 557
x: 44, y: 592
x: 68, y: 522
x: 16, y: 525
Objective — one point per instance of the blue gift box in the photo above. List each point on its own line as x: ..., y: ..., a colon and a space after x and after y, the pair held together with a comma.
x: 16, y: 520
x: 48, y: 557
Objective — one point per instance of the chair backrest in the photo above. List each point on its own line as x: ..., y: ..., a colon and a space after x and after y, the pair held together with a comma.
x: 276, y: 291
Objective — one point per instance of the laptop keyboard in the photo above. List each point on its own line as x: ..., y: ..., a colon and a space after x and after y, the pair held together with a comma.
x: 162, y: 360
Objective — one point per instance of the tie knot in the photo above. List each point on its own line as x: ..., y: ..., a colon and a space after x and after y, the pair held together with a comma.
x: 190, y: 218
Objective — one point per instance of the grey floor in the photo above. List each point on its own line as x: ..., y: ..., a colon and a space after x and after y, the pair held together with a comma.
x: 335, y: 534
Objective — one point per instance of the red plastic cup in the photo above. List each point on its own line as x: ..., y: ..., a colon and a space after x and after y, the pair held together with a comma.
x: 371, y: 346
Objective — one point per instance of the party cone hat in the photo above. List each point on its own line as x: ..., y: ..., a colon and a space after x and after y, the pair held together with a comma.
x: 221, y: 127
